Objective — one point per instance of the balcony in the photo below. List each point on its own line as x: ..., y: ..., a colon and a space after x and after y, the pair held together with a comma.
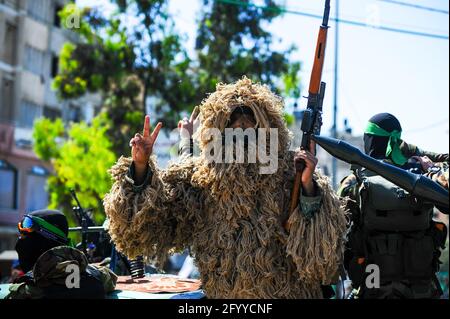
x: 16, y: 142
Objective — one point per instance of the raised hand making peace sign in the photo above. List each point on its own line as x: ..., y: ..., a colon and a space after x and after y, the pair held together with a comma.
x: 142, y: 146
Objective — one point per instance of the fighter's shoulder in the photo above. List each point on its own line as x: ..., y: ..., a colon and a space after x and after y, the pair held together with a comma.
x: 409, y: 150
x: 347, y: 183
x: 349, y: 180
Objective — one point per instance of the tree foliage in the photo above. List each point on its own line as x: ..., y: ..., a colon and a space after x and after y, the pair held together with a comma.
x: 129, y: 61
x: 81, y: 156
x: 233, y: 41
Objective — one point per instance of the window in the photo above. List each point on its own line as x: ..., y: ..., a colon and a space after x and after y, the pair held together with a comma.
x: 9, y: 50
x: 51, y: 113
x: 56, y: 18
x: 28, y: 113
x: 38, y: 9
x: 73, y: 113
x: 34, y: 60
x: 7, y: 100
x: 36, y: 196
x: 55, y: 66
x: 8, y: 185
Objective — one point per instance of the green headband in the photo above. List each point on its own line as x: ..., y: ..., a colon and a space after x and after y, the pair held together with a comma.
x: 55, y: 230
x: 393, y: 148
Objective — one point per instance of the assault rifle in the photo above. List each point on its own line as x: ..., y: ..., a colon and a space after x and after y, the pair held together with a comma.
x: 312, y: 116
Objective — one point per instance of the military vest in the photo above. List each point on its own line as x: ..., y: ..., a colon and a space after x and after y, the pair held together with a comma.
x: 387, y: 207
x: 394, y: 231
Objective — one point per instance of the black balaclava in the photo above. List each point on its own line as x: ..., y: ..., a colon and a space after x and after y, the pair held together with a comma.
x: 375, y: 146
x: 241, y: 111
x: 235, y: 115
x: 33, y: 245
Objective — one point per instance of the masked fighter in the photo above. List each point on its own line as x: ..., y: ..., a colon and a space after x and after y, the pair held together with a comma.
x: 231, y: 215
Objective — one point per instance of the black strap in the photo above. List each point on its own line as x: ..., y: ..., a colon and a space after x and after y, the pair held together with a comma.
x: 437, y: 284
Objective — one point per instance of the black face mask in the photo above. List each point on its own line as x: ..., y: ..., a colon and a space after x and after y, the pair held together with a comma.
x: 30, y: 248
x: 241, y: 111
x: 375, y: 146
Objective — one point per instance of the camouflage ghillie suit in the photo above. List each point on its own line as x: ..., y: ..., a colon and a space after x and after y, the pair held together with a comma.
x: 230, y: 215
x: 408, y: 260
x: 49, y: 275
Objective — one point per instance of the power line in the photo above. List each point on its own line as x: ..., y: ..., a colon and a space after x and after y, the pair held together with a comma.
x: 395, y: 23
x: 424, y: 128
x: 345, y: 21
x: 415, y: 6
x: 391, y: 29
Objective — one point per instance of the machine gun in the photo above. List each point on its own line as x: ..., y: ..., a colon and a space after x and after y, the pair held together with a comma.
x: 84, y: 221
x: 98, y: 234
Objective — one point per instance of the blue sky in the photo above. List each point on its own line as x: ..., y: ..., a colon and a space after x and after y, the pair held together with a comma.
x: 379, y: 71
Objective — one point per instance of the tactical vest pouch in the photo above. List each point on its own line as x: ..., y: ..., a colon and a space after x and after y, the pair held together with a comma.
x: 355, y: 257
x: 386, y: 207
x: 385, y: 251
x: 438, y: 231
x: 418, y: 254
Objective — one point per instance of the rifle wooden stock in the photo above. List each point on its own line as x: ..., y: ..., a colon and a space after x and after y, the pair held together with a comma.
x: 295, y: 196
x: 314, y: 91
x: 316, y: 73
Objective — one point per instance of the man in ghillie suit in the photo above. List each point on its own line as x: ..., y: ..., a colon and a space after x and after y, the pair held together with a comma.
x: 230, y: 215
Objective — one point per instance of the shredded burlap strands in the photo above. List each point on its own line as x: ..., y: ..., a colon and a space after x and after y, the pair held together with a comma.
x: 317, y: 245
x: 230, y: 215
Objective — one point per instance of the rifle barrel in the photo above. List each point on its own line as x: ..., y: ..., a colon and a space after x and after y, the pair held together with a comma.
x: 326, y: 14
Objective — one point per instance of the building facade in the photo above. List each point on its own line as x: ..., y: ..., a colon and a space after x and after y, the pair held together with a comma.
x: 31, y: 39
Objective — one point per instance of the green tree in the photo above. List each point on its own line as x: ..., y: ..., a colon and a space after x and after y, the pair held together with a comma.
x: 232, y: 41
x: 81, y: 156
x: 127, y: 62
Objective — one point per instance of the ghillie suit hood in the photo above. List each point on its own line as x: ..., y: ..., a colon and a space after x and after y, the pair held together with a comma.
x: 230, y: 216
x: 235, y: 185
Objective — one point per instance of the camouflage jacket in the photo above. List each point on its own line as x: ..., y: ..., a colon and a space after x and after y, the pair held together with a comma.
x: 64, y: 272
x: 410, y: 150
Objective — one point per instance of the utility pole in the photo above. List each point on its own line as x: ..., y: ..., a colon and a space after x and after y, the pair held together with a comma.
x: 335, y: 107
